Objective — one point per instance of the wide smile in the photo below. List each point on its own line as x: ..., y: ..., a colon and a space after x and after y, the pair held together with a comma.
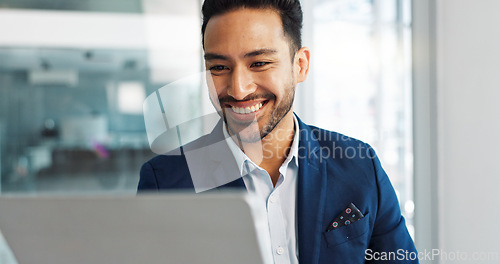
x: 245, y: 111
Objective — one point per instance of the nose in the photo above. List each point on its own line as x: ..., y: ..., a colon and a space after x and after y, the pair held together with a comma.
x: 241, y: 83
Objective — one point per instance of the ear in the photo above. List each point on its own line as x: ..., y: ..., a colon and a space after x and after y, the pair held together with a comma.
x: 302, y: 58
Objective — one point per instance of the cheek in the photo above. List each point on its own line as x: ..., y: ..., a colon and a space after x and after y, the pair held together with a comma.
x: 214, y: 90
x: 218, y: 85
x: 276, y: 82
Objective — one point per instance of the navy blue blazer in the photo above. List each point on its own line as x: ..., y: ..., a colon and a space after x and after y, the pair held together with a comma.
x: 334, y: 171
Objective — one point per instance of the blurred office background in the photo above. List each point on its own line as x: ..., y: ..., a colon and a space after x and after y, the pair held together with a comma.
x: 74, y: 75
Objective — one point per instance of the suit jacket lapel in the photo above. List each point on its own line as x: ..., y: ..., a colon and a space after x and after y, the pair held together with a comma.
x: 311, y: 193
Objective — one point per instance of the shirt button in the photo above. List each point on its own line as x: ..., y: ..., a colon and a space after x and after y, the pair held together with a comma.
x: 273, y: 199
x: 280, y: 250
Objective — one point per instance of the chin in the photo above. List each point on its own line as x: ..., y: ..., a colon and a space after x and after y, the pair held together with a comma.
x: 249, y: 133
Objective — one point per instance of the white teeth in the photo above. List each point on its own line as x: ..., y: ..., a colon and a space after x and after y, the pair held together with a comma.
x: 247, y: 110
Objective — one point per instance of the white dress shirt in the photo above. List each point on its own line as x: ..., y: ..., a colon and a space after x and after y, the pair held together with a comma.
x: 280, y: 200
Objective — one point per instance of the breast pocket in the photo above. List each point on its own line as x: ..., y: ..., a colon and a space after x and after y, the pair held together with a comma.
x: 348, y: 232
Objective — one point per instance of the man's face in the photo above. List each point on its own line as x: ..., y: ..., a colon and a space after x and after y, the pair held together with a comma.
x: 254, y: 77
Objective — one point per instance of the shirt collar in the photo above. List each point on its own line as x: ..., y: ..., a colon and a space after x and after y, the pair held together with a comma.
x: 241, y: 157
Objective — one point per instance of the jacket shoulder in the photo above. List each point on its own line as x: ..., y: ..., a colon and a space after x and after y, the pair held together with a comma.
x: 165, y: 172
x: 335, y: 141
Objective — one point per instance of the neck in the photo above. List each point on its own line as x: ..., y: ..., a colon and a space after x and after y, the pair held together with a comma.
x: 271, y: 151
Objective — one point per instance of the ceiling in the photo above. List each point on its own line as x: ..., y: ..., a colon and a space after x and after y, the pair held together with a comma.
x: 118, y: 6
x: 81, y: 35
x: 184, y: 7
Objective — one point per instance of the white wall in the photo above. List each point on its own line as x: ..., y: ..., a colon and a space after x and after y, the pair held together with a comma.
x: 468, y: 126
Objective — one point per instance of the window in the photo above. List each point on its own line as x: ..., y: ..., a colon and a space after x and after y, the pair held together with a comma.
x: 361, y: 80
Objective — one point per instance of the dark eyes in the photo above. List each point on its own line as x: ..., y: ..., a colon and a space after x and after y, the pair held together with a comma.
x: 259, y: 64
x: 220, y: 68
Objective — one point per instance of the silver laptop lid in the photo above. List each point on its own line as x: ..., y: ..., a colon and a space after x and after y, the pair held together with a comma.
x: 168, y: 228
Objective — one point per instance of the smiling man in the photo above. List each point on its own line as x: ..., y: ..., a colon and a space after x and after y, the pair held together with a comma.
x: 255, y: 72
x: 327, y: 198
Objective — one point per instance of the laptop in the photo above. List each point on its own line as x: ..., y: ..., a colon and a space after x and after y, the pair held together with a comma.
x: 165, y: 228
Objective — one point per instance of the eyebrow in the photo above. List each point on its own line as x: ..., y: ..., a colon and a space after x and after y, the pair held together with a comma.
x: 214, y: 56
x: 260, y: 52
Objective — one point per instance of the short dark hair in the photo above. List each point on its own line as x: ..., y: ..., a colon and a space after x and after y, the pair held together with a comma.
x: 289, y: 11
